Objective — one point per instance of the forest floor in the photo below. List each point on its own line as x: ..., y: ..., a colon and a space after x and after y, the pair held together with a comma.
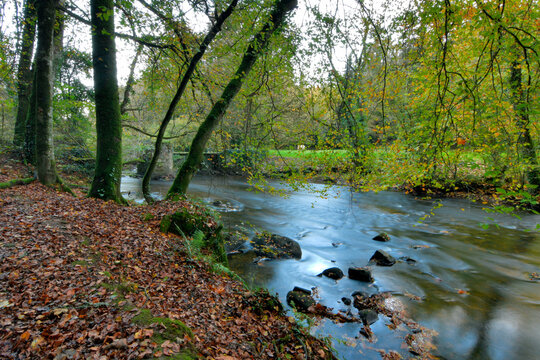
x: 86, y: 279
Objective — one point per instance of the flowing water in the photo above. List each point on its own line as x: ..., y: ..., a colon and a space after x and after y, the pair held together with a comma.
x: 475, y: 287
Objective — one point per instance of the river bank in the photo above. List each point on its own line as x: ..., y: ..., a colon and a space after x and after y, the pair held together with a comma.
x: 468, y: 283
x: 331, y: 167
x: 86, y: 278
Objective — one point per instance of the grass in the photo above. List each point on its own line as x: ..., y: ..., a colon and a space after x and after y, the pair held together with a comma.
x: 308, y: 154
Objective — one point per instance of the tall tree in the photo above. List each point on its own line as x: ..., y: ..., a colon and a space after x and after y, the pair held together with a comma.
x: 521, y: 102
x: 46, y: 167
x: 29, y: 147
x: 106, y: 182
x: 24, y: 73
x: 214, y: 30
x: 256, y: 47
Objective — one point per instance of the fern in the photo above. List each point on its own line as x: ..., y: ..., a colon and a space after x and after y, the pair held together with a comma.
x: 197, y: 242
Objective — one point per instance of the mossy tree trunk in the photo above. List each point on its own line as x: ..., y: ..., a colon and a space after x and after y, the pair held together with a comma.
x: 46, y: 167
x: 24, y: 73
x: 29, y: 147
x: 214, y: 30
x: 108, y: 172
x: 255, y: 48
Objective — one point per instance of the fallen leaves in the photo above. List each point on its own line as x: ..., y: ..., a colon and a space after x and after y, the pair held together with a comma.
x: 75, y: 271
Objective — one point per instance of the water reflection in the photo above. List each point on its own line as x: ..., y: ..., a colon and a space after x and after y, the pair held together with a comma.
x: 469, y: 284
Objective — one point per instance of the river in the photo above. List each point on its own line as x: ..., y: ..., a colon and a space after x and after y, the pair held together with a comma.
x: 473, y: 286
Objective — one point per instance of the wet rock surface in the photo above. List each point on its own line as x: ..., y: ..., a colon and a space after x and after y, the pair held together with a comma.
x: 368, y: 316
x: 361, y: 274
x: 382, y: 258
x: 333, y: 273
x: 383, y: 237
x: 273, y: 246
x: 299, y: 299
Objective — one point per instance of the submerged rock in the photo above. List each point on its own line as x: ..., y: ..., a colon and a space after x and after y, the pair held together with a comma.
x: 368, y: 316
x: 361, y: 274
x: 346, y: 301
x: 361, y: 294
x: 274, y: 246
x: 333, y: 273
x: 408, y: 260
x: 382, y: 258
x: 300, y: 300
x: 382, y: 237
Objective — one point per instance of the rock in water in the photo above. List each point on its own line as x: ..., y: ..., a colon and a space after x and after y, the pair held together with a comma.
x: 333, y: 273
x: 382, y: 258
x: 382, y: 237
x: 274, y: 246
x: 368, y: 316
x: 300, y: 300
x: 408, y: 260
x: 361, y: 294
x: 361, y: 274
x: 305, y: 291
x: 346, y: 301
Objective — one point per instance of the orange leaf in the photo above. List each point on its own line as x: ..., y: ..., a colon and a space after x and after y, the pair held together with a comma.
x: 25, y: 335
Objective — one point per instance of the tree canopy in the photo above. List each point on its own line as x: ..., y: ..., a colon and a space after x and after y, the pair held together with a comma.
x: 421, y: 94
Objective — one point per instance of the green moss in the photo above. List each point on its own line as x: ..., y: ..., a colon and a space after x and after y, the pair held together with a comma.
x: 165, y: 224
x: 122, y: 288
x: 147, y: 217
x: 80, y: 262
x: 11, y: 183
x: 170, y: 330
x: 86, y: 241
x: 193, y: 222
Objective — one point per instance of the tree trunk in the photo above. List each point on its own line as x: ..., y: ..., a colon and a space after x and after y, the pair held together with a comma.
x: 521, y: 107
x: 130, y: 81
x: 46, y: 168
x: 30, y: 128
x: 108, y: 172
x: 216, y: 28
x: 256, y: 47
x: 24, y: 73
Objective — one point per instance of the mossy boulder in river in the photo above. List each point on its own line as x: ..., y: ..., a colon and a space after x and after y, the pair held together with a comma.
x: 300, y: 299
x: 274, y: 246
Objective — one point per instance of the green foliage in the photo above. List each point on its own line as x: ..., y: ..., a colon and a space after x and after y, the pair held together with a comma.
x: 8, y: 184
x: 168, y: 330
x: 243, y: 160
x: 198, y: 222
x: 171, y: 328
x: 147, y: 217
